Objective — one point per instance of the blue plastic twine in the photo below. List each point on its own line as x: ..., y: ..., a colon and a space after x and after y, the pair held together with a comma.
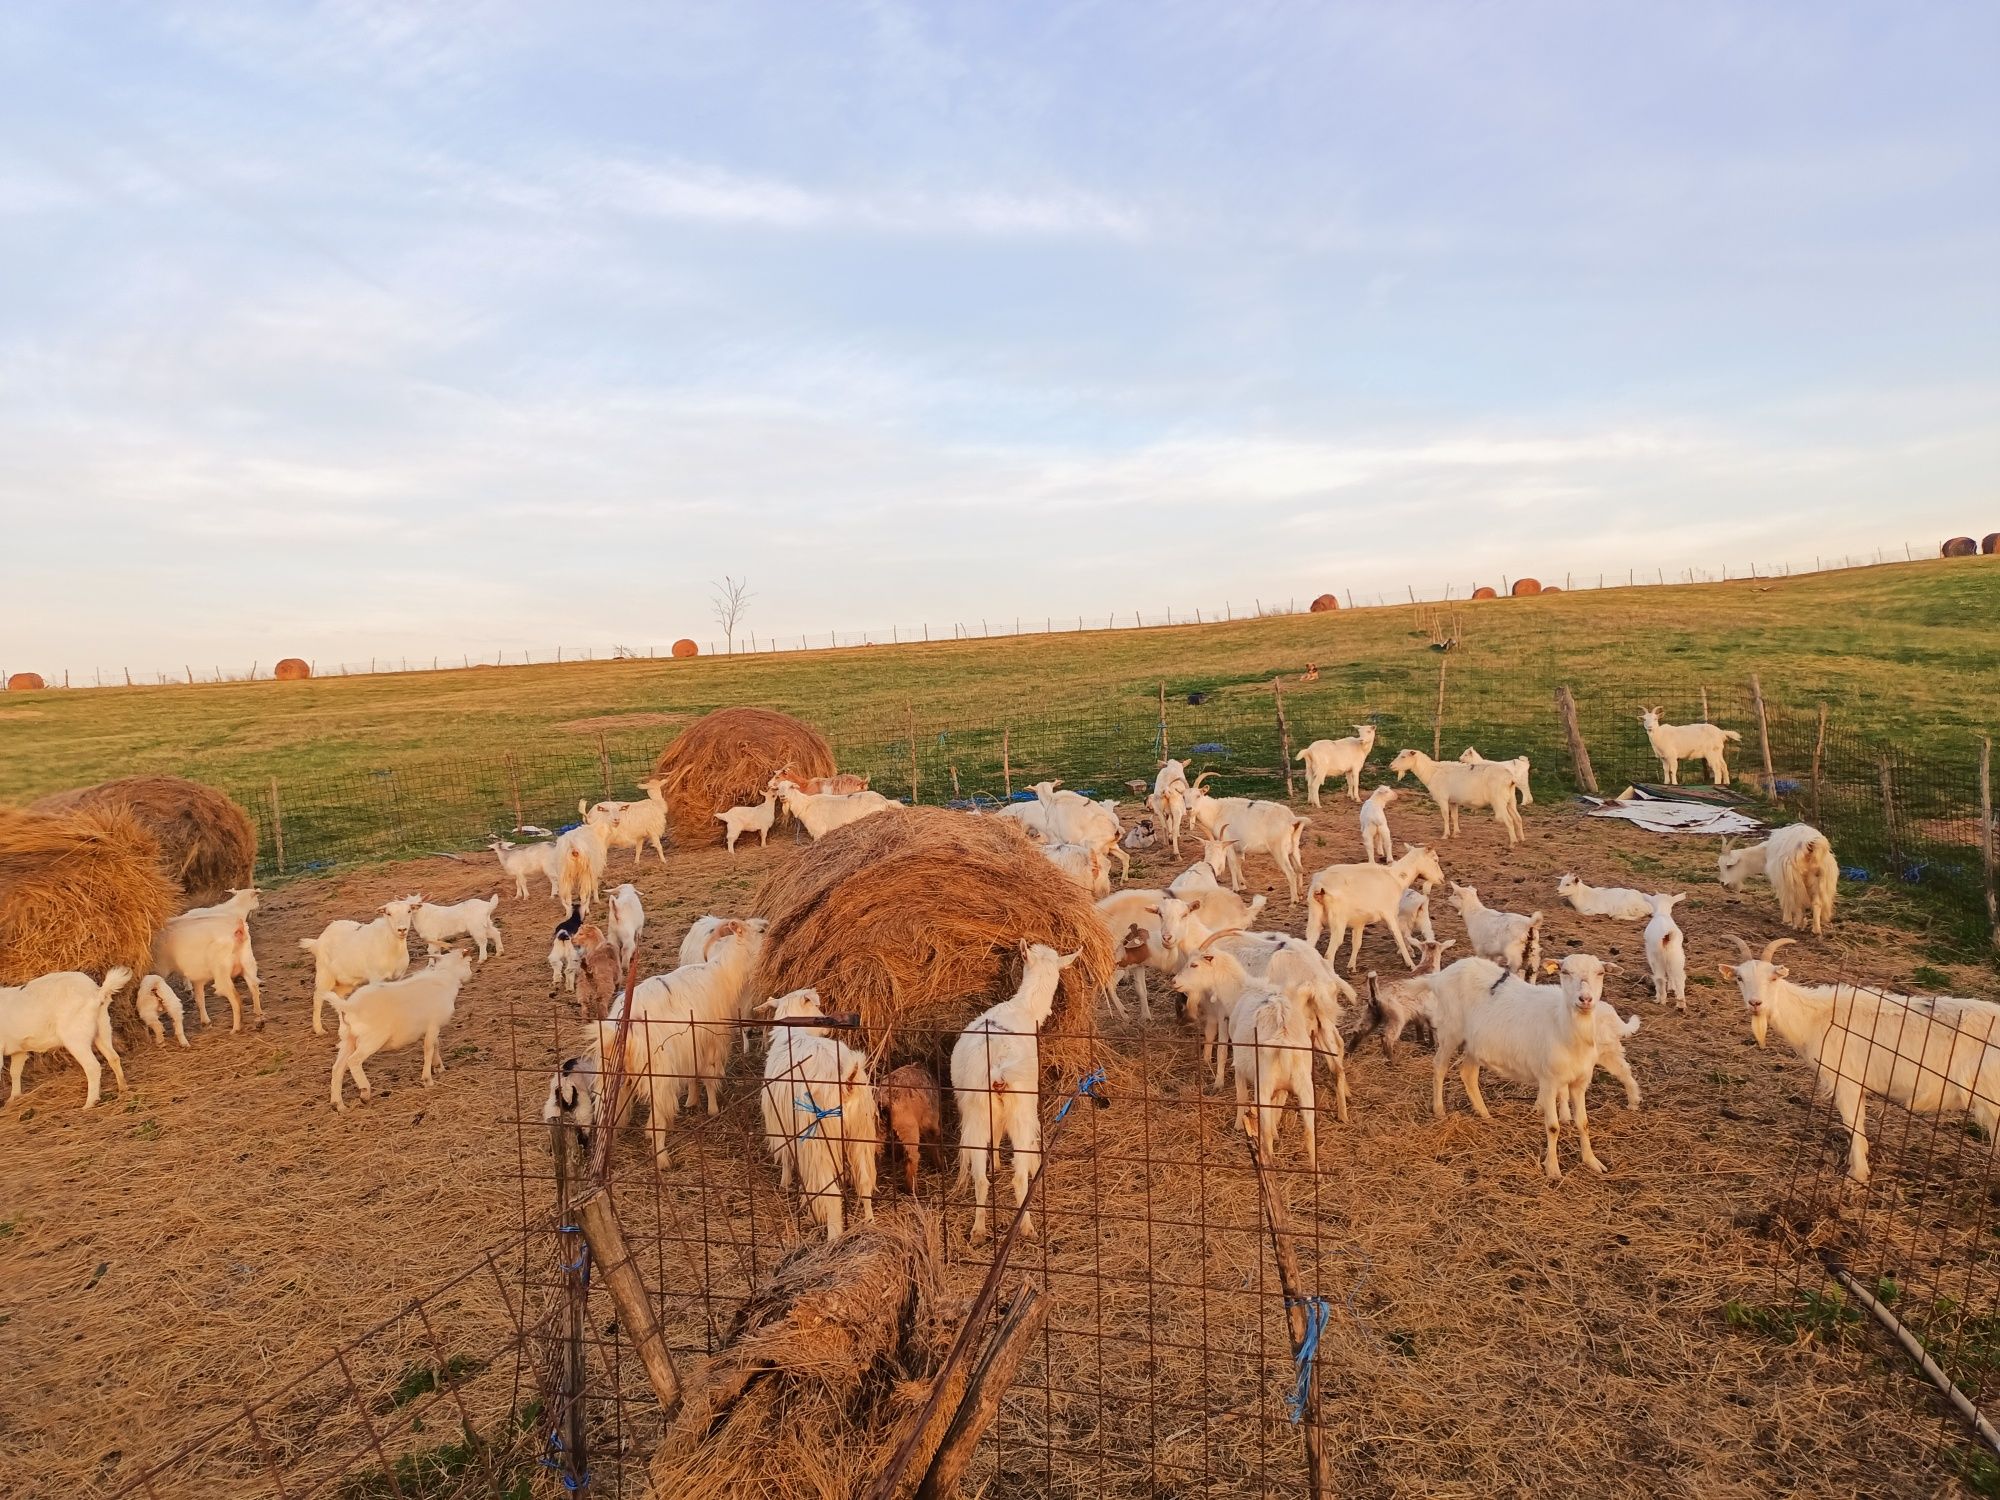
x: 1317, y: 1311
x: 818, y: 1114
x: 570, y: 1482
x: 1088, y: 1084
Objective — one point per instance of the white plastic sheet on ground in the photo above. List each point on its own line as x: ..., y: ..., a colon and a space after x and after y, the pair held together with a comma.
x: 1661, y: 816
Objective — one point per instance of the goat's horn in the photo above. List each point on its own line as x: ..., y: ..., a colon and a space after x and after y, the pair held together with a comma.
x: 1774, y: 945
x: 1742, y: 948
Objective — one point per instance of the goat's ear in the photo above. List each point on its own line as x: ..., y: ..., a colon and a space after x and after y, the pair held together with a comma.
x: 1727, y: 971
x: 1153, y: 911
x: 1611, y: 966
x: 1781, y: 971
x: 1194, y: 905
x: 770, y: 1004
x: 1550, y: 965
x: 1069, y: 958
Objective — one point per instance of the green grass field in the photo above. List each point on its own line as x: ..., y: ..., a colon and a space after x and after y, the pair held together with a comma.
x: 1906, y: 657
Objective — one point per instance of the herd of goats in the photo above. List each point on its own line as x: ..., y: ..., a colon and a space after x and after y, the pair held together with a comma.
x: 1270, y: 1007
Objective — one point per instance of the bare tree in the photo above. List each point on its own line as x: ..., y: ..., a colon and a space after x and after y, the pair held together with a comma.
x: 731, y: 601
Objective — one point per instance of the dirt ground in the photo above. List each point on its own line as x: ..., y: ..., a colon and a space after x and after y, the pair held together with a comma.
x: 218, y: 1229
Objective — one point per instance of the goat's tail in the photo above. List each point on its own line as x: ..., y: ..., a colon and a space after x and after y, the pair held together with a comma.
x: 114, y: 981
x: 1732, y: 735
x: 1630, y: 1024
x: 310, y: 945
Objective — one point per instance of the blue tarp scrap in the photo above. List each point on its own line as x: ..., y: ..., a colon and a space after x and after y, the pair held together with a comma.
x: 1854, y: 872
x: 1209, y: 749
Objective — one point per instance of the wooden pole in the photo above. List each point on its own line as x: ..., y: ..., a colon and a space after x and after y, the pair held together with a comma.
x: 1913, y: 1346
x: 1006, y: 762
x: 1284, y: 737
x: 277, y: 825
x: 1763, y: 730
x: 1318, y: 1483
x: 612, y: 1261
x: 1819, y: 747
x: 576, y: 1284
x: 1163, y: 723
x: 983, y: 1393
x: 910, y: 710
x: 1579, y: 753
x: 604, y: 763
x: 1986, y: 835
x: 954, y: 781
x: 1889, y: 812
x: 1437, y: 722
x: 514, y: 786
x: 1704, y: 705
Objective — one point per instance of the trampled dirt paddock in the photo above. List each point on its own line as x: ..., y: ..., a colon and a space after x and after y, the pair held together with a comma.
x: 218, y: 1229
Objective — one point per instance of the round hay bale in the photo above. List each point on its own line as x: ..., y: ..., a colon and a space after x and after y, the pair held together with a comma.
x: 724, y: 760
x: 207, y: 844
x: 1554, y: 588
x: 25, y: 682
x: 1961, y: 546
x: 291, y: 669
x: 914, y: 919
x: 1526, y: 588
x: 685, y: 647
x: 1483, y: 592
x: 1325, y: 604
x: 78, y: 890
x: 1990, y: 543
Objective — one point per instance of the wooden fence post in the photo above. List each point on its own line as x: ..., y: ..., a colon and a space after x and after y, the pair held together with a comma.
x: 277, y: 826
x: 909, y: 709
x: 1006, y: 761
x: 1437, y: 723
x: 1889, y: 812
x: 1284, y: 737
x: 1163, y: 723
x: 573, y: 1372
x: 1704, y: 706
x: 1986, y: 835
x: 1579, y: 753
x: 1763, y: 731
x: 598, y: 1217
x: 514, y: 785
x: 604, y: 763
x: 1819, y: 748
x: 1298, y: 1308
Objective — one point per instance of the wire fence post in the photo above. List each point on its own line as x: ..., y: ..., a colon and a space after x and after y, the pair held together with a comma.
x: 910, y: 713
x: 1579, y: 752
x: 576, y: 1283
x: 1889, y: 812
x: 1986, y: 837
x: 1819, y: 748
x: 514, y: 786
x: 1704, y: 705
x: 1006, y: 761
x: 1163, y: 723
x: 1437, y: 721
x: 1284, y: 737
x: 1763, y: 731
x: 604, y: 763
x: 277, y: 826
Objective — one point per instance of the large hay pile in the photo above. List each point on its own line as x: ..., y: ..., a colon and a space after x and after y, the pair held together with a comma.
x: 724, y: 759
x: 292, y: 669
x: 820, y: 1369
x: 208, y: 845
x: 914, y: 918
x: 78, y: 890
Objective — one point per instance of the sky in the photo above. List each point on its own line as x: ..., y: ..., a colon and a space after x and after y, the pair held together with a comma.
x: 362, y: 328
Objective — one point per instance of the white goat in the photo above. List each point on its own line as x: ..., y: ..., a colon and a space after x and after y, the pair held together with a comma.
x: 1798, y: 861
x: 1230, y: 966
x: 996, y: 1080
x: 1514, y: 942
x: 1269, y: 828
x: 70, y: 1011
x: 1169, y: 800
x: 1088, y: 868
x: 1328, y: 758
x: 1413, y: 912
x: 1072, y: 818
x: 524, y: 861
x: 1163, y: 920
x: 157, y: 997
x: 626, y: 919
x: 1674, y: 743
x: 1618, y: 901
x: 632, y: 825
x: 1666, y: 952
x: 581, y: 855
x: 1517, y: 768
x: 702, y: 939
x: 1545, y: 1035
x: 1611, y: 1033
x: 1271, y: 1048
x: 819, y: 1111
x: 1346, y: 899
x: 1376, y: 840
x: 756, y: 818
x: 212, y: 946
x: 819, y: 815
x: 1928, y: 1055
x: 437, y: 925
x: 1452, y: 786
x: 395, y: 1013
x: 1221, y: 908
x: 346, y: 954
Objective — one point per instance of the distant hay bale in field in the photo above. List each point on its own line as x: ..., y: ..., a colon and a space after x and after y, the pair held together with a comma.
x: 1483, y: 592
x: 1325, y: 604
x: 78, y: 890
x: 1961, y: 546
x: 1990, y: 543
x: 1553, y: 588
x: 291, y: 669
x: 1526, y: 588
x: 724, y: 760
x: 685, y: 647
x: 25, y: 682
x: 207, y: 844
x: 915, y: 918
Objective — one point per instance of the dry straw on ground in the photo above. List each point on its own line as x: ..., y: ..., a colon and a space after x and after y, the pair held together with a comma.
x: 80, y: 890
x: 208, y: 845
x: 725, y: 759
x: 804, y: 1399
x: 917, y: 916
